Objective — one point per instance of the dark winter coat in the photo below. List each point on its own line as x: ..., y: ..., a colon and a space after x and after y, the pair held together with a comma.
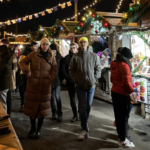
x: 57, y: 80
x: 5, y: 68
x: 118, y: 85
x: 85, y: 69
x: 65, y: 68
x: 38, y: 91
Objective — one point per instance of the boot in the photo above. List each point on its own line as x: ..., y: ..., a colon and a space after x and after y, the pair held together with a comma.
x: 59, y: 118
x: 38, y: 131
x: 31, y: 134
x: 54, y: 116
x: 75, y: 117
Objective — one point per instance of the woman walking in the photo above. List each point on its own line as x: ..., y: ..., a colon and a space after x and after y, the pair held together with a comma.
x: 122, y: 86
x: 39, y: 79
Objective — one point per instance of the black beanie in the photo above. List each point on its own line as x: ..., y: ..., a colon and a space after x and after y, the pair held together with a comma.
x: 53, y: 47
x: 125, y: 52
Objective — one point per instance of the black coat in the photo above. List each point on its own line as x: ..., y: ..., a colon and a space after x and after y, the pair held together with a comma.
x: 58, y: 78
x: 65, y: 68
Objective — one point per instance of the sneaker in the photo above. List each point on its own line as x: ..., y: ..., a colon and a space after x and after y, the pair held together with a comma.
x: 129, y: 127
x: 126, y: 144
x: 74, y: 119
x: 84, y: 135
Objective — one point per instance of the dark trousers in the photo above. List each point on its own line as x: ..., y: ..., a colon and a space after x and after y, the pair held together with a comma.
x: 128, y: 113
x: 56, y: 94
x: 23, y: 88
x: 85, y: 98
x: 33, y: 124
x: 121, y: 110
x: 9, y: 102
x: 72, y: 91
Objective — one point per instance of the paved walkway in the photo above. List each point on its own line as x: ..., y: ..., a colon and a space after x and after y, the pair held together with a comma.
x: 63, y: 136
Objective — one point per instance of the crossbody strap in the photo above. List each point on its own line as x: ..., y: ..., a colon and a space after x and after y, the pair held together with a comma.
x: 46, y: 60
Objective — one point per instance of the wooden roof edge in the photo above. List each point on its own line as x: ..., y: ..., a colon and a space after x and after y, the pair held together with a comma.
x: 110, y: 14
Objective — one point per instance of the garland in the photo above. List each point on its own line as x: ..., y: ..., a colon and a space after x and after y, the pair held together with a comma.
x: 140, y: 34
x: 134, y: 11
x: 136, y: 69
x: 89, y: 19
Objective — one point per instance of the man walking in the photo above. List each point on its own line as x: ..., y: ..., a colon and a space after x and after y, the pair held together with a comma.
x: 70, y: 82
x: 85, y: 70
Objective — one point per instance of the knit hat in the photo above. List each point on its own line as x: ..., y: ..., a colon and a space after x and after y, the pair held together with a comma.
x: 84, y: 39
x: 53, y: 47
x: 74, y: 44
x: 125, y: 52
x: 45, y: 40
x: 142, y: 83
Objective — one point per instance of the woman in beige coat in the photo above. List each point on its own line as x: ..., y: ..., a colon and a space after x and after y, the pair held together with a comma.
x: 40, y: 76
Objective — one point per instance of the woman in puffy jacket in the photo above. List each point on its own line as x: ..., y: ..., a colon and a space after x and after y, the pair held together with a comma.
x: 121, y: 80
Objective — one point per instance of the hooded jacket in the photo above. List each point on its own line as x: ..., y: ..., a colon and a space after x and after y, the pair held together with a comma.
x: 85, y: 69
x: 121, y: 86
x: 57, y: 80
x: 5, y: 67
x: 65, y: 68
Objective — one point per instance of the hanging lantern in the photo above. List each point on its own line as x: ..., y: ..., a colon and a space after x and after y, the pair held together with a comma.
x: 81, y: 24
x: 75, y: 31
x: 94, y: 15
x: 54, y: 29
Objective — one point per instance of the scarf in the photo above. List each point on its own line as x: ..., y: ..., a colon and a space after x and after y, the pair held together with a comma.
x: 44, y: 54
x: 127, y: 61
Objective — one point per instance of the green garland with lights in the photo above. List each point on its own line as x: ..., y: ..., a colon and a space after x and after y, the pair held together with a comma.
x: 93, y: 20
x: 134, y: 11
x: 137, y: 68
x: 140, y: 34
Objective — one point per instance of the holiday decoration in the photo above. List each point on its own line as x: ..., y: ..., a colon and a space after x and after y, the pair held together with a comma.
x: 49, y: 11
x: 13, y: 21
x: 36, y: 15
x: 43, y: 13
x: 69, y: 3
x: 24, y: 18
x: 96, y: 24
x: 19, y: 20
x: 8, y: 22
x: 62, y: 6
x: 30, y: 17
x: 55, y: 8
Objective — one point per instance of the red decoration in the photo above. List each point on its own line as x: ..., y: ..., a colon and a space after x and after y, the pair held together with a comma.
x: 96, y: 31
x: 94, y: 15
x: 81, y: 24
x: 105, y: 24
x: 91, y: 26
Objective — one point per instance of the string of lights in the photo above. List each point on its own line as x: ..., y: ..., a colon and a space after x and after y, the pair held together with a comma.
x: 119, y: 5
x: 84, y: 8
x: 18, y: 35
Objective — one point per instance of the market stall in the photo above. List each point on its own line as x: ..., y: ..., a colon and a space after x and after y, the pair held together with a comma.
x: 8, y: 137
x: 140, y: 47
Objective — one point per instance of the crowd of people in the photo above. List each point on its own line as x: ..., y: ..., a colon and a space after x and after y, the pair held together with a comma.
x: 39, y: 74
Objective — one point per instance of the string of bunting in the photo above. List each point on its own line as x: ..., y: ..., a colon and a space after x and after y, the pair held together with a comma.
x: 36, y: 15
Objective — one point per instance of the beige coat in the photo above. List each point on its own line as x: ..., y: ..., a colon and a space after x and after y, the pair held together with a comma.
x: 38, y: 91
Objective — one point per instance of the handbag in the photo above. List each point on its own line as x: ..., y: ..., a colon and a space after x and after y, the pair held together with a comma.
x: 13, y: 80
x: 131, y: 98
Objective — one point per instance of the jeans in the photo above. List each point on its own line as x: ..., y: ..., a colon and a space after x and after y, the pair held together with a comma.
x: 3, y: 98
x: 23, y: 88
x: 85, y: 98
x: 128, y: 113
x: 72, y: 91
x: 56, y: 94
x: 121, y: 112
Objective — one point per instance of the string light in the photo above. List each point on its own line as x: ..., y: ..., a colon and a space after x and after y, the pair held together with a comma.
x: 84, y: 8
x: 11, y: 34
x: 119, y: 5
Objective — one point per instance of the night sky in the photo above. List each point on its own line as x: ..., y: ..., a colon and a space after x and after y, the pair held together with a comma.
x: 10, y: 8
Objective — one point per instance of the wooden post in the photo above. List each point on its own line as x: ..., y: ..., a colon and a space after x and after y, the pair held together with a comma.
x: 76, y: 11
x: 114, y: 48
